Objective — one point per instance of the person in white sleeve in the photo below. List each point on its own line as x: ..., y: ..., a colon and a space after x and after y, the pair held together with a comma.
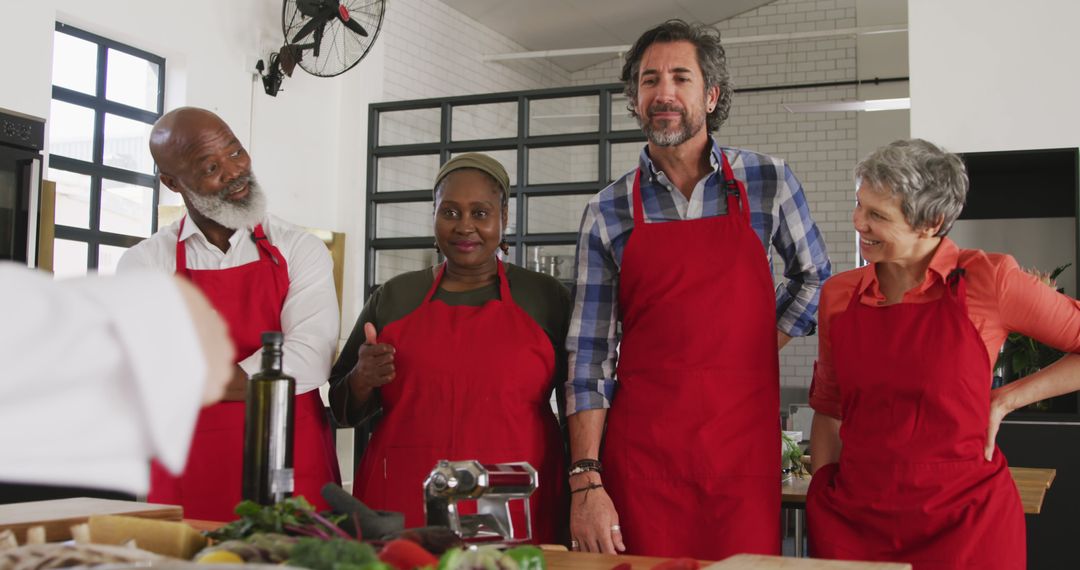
x: 88, y: 391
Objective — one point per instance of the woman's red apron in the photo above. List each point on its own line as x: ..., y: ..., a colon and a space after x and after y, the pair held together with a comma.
x: 470, y: 383
x: 250, y: 298
x: 912, y: 484
x: 692, y: 450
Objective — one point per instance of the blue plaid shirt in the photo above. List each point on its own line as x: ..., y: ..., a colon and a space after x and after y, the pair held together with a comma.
x: 778, y: 213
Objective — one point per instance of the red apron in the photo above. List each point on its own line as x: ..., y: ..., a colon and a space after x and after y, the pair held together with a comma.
x: 471, y: 383
x: 250, y: 298
x: 912, y: 484
x: 692, y: 450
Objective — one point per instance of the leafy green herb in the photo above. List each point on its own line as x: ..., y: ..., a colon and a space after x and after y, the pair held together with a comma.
x: 334, y: 554
x: 292, y: 516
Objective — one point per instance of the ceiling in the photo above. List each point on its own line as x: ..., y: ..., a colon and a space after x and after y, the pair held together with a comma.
x: 563, y: 24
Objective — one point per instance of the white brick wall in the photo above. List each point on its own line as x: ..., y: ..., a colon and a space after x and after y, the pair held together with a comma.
x: 820, y: 147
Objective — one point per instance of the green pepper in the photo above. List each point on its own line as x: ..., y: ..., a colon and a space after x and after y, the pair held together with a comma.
x: 527, y: 557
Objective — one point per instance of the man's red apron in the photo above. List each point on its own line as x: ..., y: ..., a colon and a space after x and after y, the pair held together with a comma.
x: 470, y: 383
x: 912, y: 484
x: 692, y: 450
x: 250, y: 298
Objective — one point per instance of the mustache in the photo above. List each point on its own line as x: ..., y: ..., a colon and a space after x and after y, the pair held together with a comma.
x: 237, y: 183
x: 666, y: 108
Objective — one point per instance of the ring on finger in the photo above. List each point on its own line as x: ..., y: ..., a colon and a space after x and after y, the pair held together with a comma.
x: 616, y: 528
x: 574, y: 544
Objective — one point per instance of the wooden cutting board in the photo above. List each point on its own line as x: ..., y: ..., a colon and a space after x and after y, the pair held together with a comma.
x: 58, y: 516
x: 585, y: 561
x: 756, y: 562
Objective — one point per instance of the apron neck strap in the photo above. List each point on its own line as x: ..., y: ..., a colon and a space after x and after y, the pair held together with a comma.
x: 504, y: 285
x: 734, y: 190
x: 956, y: 285
x: 262, y: 243
x: 181, y: 250
x: 639, y: 210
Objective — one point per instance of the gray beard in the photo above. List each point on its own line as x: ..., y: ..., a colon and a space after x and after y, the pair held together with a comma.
x: 663, y: 137
x: 235, y: 215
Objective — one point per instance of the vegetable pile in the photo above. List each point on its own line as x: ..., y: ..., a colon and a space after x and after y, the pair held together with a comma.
x: 291, y: 532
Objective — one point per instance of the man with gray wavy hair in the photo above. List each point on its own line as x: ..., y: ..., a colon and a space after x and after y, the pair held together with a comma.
x: 261, y: 274
x: 677, y: 252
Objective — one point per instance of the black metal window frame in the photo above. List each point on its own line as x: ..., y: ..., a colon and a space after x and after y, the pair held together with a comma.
x: 96, y: 168
x: 522, y: 142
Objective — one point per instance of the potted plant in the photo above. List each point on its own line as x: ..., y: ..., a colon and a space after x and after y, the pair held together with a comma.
x: 1022, y: 355
x: 790, y: 455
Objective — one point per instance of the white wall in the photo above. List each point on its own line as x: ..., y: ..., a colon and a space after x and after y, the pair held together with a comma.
x: 27, y: 39
x: 995, y: 75
x: 990, y: 76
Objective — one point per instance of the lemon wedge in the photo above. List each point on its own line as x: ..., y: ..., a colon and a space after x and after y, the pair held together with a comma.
x: 220, y: 557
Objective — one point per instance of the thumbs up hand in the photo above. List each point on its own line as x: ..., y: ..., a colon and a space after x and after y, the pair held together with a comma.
x: 375, y: 362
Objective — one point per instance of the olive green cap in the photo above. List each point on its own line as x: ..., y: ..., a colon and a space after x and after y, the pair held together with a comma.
x: 480, y: 162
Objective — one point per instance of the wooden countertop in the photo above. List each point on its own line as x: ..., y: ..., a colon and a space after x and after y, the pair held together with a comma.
x: 584, y: 561
x: 1032, y: 483
x: 57, y: 516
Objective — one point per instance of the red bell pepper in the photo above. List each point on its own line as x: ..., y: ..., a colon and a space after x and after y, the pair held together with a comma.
x: 406, y: 555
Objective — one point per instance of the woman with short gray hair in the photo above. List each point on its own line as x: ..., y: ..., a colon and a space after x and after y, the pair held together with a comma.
x: 932, y: 184
x: 905, y: 465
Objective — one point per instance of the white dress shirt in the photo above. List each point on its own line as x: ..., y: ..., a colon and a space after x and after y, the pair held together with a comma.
x: 309, y: 318
x: 88, y: 391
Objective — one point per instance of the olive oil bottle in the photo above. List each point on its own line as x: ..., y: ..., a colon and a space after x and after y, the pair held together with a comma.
x: 268, y: 428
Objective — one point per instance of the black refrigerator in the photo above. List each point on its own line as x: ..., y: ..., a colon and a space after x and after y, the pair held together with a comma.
x: 22, y: 139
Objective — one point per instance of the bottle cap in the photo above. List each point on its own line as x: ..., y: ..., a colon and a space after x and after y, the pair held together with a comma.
x: 272, y: 337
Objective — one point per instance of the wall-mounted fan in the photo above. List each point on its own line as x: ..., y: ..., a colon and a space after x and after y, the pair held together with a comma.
x: 324, y: 37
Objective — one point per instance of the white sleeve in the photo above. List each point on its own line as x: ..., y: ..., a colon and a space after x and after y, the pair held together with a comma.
x: 109, y: 371
x: 134, y: 259
x: 310, y: 319
x: 162, y: 351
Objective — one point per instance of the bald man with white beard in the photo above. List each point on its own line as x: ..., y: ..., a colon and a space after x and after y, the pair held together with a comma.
x: 261, y: 274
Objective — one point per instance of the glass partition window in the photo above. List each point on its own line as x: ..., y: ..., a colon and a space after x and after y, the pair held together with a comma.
x: 559, y: 147
x: 105, y: 99
x: 555, y: 260
x: 564, y: 115
x: 556, y: 214
x: 489, y: 121
x: 620, y: 116
x: 400, y: 173
x: 411, y: 126
x: 408, y: 219
x: 555, y: 164
x: 623, y: 158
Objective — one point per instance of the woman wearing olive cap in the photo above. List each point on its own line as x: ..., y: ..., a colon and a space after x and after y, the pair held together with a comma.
x: 462, y: 358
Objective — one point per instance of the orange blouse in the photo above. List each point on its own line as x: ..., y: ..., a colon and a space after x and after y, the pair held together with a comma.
x: 1001, y: 298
